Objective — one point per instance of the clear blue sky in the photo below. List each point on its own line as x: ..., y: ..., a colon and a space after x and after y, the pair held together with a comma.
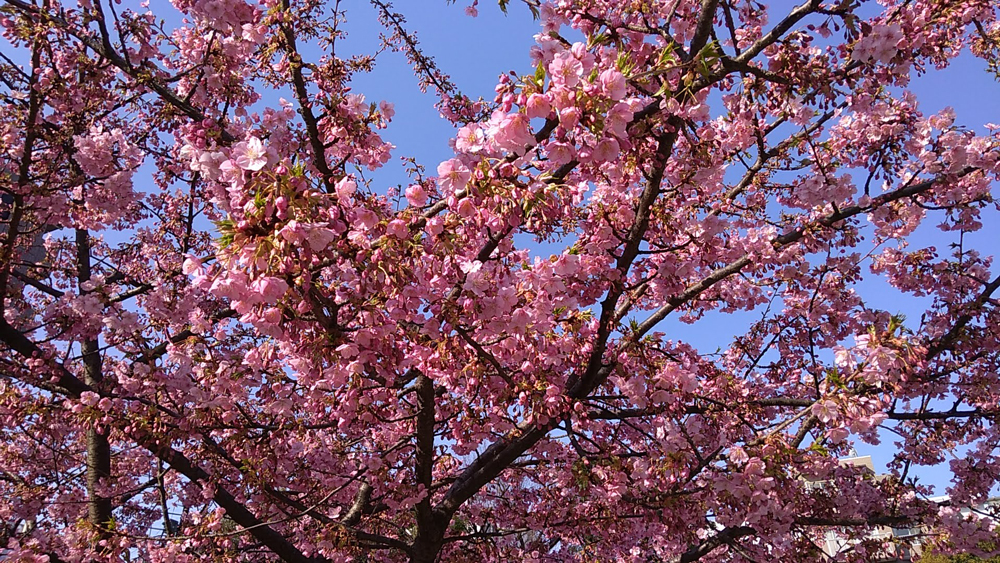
x: 473, y: 51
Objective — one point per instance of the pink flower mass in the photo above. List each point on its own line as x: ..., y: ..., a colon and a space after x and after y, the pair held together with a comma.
x: 673, y: 267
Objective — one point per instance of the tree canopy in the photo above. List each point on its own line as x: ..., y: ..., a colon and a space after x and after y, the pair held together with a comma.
x: 223, y: 339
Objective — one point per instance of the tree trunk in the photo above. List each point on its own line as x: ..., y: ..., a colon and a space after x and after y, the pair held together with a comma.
x: 427, y: 545
x: 98, y: 448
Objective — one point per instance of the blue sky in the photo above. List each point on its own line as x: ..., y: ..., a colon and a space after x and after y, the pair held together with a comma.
x: 473, y: 51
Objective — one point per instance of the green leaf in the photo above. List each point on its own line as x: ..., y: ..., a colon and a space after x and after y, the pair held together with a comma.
x: 663, y: 91
x: 625, y: 64
x: 540, y: 75
x: 598, y: 39
x: 226, y: 229
x: 667, y: 57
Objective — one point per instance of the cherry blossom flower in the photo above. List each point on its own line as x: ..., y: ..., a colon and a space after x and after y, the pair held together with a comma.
x: 566, y: 70
x: 416, y: 195
x: 250, y: 154
x: 470, y: 138
x: 453, y: 176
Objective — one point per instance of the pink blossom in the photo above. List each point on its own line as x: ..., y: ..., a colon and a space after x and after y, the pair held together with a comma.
x: 434, y: 226
x: 538, y: 106
x: 613, y: 84
x: 453, y: 176
x: 354, y: 105
x: 569, y: 117
x: 514, y: 133
x: 272, y: 315
x: 843, y: 358
x: 470, y: 138
x: 191, y: 266
x: 367, y: 218
x: 346, y: 187
x: 838, y: 434
x: 254, y: 34
x: 271, y: 288
x: 250, y: 154
x: 293, y: 232
x: 606, y: 151
x: 942, y: 119
x: 397, y: 228
x: 618, y: 119
x: 880, y: 45
x: 566, y: 69
x: 560, y: 153
x: 825, y: 410
x: 89, y: 398
x: 416, y: 195
x: 567, y: 265
x: 319, y: 238
x: 738, y: 455
x: 387, y: 109
x: 466, y: 208
x: 755, y: 467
